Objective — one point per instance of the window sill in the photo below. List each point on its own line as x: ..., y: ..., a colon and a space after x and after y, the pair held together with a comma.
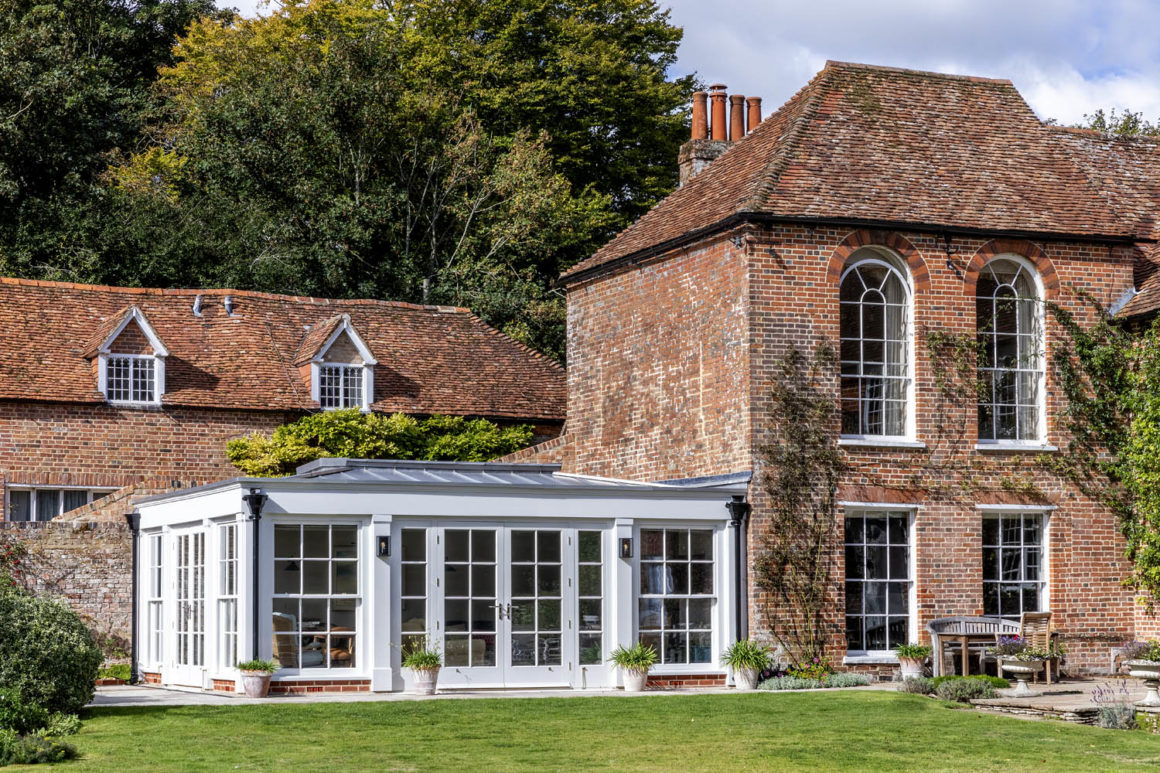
x: 1015, y: 448
x: 871, y: 659
x: 857, y: 442
x: 130, y: 404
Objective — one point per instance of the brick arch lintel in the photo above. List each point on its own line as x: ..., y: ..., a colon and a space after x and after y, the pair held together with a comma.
x: 900, y: 245
x: 1021, y: 247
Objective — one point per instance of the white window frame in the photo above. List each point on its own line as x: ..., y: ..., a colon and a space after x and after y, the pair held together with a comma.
x: 229, y: 580
x: 155, y: 600
x: 160, y: 352
x: 1044, y: 581
x: 363, y: 655
x: 894, y: 264
x: 91, y: 495
x: 714, y: 598
x: 853, y: 509
x: 1039, y: 442
x: 347, y: 397
x: 135, y: 363
x: 318, y: 363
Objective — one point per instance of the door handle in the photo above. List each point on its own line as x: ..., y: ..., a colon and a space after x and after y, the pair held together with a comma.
x: 498, y: 608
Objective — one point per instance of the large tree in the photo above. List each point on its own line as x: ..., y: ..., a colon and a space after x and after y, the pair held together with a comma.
x: 75, y: 87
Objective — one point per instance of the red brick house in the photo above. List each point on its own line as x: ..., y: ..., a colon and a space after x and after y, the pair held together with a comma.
x: 875, y: 205
x: 106, y: 387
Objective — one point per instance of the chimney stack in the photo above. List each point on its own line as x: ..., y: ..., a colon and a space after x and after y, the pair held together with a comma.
x: 700, y: 115
x: 716, y: 127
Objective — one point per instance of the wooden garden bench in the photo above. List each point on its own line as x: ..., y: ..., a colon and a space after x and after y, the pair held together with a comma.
x: 977, y: 633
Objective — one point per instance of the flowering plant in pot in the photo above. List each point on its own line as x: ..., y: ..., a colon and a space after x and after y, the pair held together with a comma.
x: 912, y: 659
x: 634, y: 662
x: 256, y: 677
x: 424, y: 662
x: 747, y: 659
x: 1143, y: 661
x: 1020, y: 659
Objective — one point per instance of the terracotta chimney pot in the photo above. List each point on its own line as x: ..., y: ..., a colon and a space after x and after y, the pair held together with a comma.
x: 717, y: 124
x: 754, y: 113
x: 700, y: 116
x: 736, y: 117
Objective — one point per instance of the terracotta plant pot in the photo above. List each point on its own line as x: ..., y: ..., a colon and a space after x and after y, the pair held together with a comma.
x: 634, y: 681
x: 1149, y: 671
x: 256, y: 684
x: 425, y: 680
x: 745, y: 678
x: 912, y: 668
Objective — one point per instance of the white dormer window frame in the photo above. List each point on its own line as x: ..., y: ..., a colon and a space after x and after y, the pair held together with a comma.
x: 349, y: 385
x: 136, y: 363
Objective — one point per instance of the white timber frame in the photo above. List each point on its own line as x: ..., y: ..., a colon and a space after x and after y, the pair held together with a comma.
x: 160, y: 352
x: 318, y: 362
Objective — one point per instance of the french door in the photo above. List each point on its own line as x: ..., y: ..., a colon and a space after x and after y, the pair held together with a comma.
x: 189, y: 629
x: 508, y: 607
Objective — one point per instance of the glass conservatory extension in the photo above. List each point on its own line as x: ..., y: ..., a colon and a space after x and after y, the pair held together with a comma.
x: 522, y: 576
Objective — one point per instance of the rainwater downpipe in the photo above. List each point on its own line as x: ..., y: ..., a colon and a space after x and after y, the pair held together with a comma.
x: 738, y: 521
x: 255, y: 500
x: 134, y: 522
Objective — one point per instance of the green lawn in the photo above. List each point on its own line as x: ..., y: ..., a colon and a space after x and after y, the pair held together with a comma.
x: 859, y: 730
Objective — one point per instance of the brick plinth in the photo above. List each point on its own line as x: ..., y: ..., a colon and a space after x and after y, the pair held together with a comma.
x: 679, y: 681
x: 310, y: 686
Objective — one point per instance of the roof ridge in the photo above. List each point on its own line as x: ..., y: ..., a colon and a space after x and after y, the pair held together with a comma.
x: 786, y: 147
x: 23, y: 282
x: 833, y: 64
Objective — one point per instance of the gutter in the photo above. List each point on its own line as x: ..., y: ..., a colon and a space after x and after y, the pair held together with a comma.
x: 764, y: 218
x: 134, y: 522
x: 738, y: 521
x: 255, y: 500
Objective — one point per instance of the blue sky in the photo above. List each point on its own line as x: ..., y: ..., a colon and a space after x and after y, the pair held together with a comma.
x: 1067, y: 57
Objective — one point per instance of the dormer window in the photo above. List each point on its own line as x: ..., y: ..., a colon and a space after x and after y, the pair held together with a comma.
x: 130, y: 360
x: 341, y: 368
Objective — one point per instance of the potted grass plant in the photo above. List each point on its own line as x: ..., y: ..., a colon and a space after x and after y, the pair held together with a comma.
x: 747, y: 659
x: 912, y: 659
x: 634, y: 662
x: 1143, y: 661
x: 256, y: 677
x: 424, y: 662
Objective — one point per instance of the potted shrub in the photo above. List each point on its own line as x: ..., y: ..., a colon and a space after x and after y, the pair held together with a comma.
x: 1021, y: 660
x: 912, y: 659
x: 256, y: 677
x: 747, y: 659
x: 424, y: 662
x: 634, y: 662
x: 1143, y: 661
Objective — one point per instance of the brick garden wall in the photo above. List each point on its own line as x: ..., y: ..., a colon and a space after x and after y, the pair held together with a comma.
x: 644, y: 344
x: 87, y: 565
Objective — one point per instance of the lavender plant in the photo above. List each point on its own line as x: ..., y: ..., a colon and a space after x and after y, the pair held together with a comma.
x: 1116, y: 711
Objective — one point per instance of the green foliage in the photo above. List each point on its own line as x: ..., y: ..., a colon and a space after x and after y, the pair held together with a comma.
x: 32, y: 749
x: 46, y: 653
x: 915, y: 651
x: 808, y: 683
x: 60, y: 724
x: 1120, y: 123
x: 120, y: 671
x: 19, y: 714
x: 965, y: 690
x: 357, y: 435
x: 804, y: 464
x: 638, y: 657
x: 818, y: 668
x: 12, y: 555
x: 1142, y: 650
x: 995, y: 681
x: 1118, y: 716
x: 423, y: 657
x: 269, y: 666
x: 747, y: 654
x: 918, y: 685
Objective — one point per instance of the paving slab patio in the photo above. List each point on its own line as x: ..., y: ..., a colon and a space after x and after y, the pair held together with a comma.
x: 1070, y: 700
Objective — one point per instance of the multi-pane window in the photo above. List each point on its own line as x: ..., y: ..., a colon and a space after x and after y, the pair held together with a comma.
x: 340, y: 386
x: 228, y: 594
x: 591, y: 585
x: 413, y: 590
x: 316, y: 595
x: 873, y: 327
x: 155, y: 623
x: 1013, y: 571
x: 877, y: 580
x: 675, y: 608
x: 536, y: 597
x: 469, y: 605
x: 46, y: 504
x: 129, y: 378
x: 1011, y: 361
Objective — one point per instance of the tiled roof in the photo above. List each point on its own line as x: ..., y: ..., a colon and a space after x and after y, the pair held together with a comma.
x: 873, y: 144
x: 431, y: 359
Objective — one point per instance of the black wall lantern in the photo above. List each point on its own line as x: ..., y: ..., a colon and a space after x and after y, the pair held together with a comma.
x: 384, y: 546
x: 626, y: 547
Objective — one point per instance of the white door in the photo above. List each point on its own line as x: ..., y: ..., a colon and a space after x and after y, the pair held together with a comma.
x: 509, y: 606
x: 188, y: 662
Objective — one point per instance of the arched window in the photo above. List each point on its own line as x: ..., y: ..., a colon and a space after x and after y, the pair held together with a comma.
x: 1009, y: 316
x: 875, y: 347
